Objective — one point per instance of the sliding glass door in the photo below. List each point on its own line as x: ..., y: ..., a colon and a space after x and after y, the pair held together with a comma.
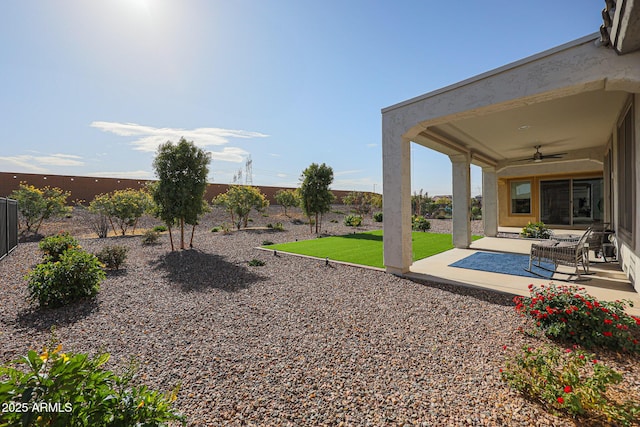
x: 555, y: 202
x: 571, y: 201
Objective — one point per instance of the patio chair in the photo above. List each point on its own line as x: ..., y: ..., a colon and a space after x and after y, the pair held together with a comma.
x: 599, y: 239
x: 569, y: 254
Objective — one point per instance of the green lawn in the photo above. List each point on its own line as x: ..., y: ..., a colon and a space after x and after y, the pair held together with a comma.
x: 365, y: 248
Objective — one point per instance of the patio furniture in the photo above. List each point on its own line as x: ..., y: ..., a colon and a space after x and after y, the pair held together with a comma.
x: 571, y: 254
x: 600, y: 240
x: 570, y: 238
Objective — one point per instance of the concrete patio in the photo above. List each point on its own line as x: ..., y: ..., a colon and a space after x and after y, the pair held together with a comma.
x: 608, y: 283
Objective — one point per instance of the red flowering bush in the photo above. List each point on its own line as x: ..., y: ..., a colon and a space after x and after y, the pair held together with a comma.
x: 570, y: 314
x: 571, y: 381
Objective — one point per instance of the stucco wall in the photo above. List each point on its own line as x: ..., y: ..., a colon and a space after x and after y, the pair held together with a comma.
x: 506, y: 218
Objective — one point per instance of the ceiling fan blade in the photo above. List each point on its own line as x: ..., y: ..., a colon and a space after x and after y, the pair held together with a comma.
x: 553, y: 156
x: 528, y: 159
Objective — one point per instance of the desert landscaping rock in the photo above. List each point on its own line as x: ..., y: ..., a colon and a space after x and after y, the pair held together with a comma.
x: 290, y: 343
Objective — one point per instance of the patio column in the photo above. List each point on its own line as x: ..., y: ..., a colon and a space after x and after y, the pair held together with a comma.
x: 461, y: 169
x: 396, y: 171
x: 490, y: 201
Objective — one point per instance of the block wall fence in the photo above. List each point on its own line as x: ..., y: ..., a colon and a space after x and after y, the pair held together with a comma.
x: 84, y: 188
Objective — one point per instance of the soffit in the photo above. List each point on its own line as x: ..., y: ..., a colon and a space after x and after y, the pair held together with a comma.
x: 565, y: 124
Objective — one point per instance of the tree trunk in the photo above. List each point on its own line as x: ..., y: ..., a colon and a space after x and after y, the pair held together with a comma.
x: 112, y: 226
x: 193, y: 229
x: 181, y: 233
x: 170, y: 237
x: 316, y: 222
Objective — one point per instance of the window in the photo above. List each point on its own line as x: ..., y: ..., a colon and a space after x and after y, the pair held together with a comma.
x: 521, y: 197
x: 626, y: 177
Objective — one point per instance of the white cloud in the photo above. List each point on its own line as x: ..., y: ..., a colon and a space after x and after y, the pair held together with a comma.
x: 372, y: 145
x: 147, y: 138
x: 139, y: 174
x: 230, y: 154
x: 36, y: 163
x: 59, y: 160
x: 281, y: 175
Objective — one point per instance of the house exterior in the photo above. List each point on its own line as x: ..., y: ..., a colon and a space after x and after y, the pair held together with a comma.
x: 557, y: 136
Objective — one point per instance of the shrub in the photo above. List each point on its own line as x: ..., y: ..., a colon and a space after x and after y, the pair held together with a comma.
x: 536, y: 230
x: 570, y: 314
x: 276, y: 227
x: 54, y: 246
x: 571, y: 381
x: 113, y: 256
x: 74, y: 276
x: 99, y: 223
x: 256, y: 263
x: 287, y: 199
x: 353, y: 220
x: 160, y: 228
x: 37, y: 204
x: 420, y: 223
x: 377, y: 217
x: 85, y: 393
x: 122, y: 207
x: 215, y: 229
x: 150, y: 237
x: 267, y: 243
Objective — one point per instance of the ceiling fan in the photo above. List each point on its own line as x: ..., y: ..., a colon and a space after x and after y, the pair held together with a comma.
x: 538, y: 156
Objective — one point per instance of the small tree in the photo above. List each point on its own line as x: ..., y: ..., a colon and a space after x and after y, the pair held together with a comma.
x: 287, y: 199
x: 222, y: 200
x: 360, y: 201
x: 239, y: 200
x: 182, y: 171
x: 315, y: 196
x: 37, y: 204
x: 376, y: 200
x: 124, y: 206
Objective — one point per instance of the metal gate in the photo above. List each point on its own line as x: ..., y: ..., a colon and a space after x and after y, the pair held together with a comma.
x: 8, y: 226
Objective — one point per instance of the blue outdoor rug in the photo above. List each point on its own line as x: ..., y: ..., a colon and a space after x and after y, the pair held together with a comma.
x: 514, y: 264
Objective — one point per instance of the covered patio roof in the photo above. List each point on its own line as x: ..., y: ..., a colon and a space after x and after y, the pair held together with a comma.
x: 565, y: 100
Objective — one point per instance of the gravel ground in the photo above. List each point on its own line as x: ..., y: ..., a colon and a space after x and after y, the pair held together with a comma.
x: 293, y: 342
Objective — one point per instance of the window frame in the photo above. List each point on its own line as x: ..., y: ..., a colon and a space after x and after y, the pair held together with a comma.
x: 625, y: 174
x: 512, y: 194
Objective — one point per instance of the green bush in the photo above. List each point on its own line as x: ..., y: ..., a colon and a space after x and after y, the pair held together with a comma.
x: 276, y: 227
x: 85, y: 393
x: 150, y: 237
x: 267, y: 243
x: 113, y: 256
x: 536, y: 230
x: 568, y: 313
x: 256, y: 263
x: 377, y: 217
x: 38, y: 204
x: 353, y: 220
x: 74, y: 276
x: 54, y: 246
x: 571, y: 381
x: 420, y: 223
x: 215, y: 229
x: 160, y: 228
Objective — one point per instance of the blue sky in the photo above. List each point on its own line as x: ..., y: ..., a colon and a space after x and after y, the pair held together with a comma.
x: 92, y: 87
